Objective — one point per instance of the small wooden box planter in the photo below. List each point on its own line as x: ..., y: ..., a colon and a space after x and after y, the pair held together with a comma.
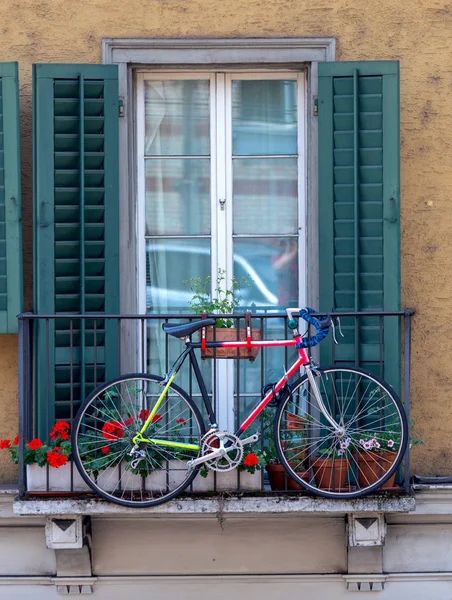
x: 230, y: 334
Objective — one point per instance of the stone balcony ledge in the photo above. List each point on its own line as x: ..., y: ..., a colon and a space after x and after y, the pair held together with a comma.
x: 220, y: 504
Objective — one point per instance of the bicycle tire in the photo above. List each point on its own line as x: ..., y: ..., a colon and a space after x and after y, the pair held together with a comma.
x: 102, y: 437
x: 365, y: 456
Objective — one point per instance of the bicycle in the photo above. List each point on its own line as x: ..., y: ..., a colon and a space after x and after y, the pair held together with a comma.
x: 340, y: 432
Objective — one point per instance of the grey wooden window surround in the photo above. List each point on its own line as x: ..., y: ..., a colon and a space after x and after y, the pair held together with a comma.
x: 133, y: 54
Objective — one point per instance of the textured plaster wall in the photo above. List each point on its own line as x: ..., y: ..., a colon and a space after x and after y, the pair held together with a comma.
x: 8, y: 402
x: 417, y: 32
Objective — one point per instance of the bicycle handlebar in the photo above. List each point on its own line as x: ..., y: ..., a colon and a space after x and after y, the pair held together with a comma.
x: 322, y: 325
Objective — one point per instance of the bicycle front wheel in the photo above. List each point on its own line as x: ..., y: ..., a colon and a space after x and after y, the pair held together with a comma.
x: 109, y: 420
x: 353, y: 459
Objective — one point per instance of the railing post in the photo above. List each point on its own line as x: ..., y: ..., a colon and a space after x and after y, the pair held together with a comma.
x: 406, y: 388
x: 24, y: 392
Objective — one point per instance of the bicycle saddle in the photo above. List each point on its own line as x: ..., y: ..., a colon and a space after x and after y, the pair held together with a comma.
x: 179, y: 330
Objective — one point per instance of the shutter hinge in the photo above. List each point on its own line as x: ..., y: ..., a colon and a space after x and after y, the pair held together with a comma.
x: 121, y: 110
x: 315, y: 110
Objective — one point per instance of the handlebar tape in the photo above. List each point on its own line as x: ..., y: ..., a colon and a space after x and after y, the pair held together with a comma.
x: 322, y: 326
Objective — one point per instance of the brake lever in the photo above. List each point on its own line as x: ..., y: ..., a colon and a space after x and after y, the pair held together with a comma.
x: 333, y: 327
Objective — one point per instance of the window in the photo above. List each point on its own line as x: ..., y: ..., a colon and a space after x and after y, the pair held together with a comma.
x: 221, y: 185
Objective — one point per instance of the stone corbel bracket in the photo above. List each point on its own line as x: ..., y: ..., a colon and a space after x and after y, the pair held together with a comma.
x: 66, y: 586
x: 70, y: 538
x: 366, y: 529
x: 366, y: 533
x: 365, y: 583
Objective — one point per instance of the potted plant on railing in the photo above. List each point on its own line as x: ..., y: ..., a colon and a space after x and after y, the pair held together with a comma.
x: 222, y: 301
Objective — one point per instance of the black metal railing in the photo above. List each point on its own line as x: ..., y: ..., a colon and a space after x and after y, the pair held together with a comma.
x: 63, y: 357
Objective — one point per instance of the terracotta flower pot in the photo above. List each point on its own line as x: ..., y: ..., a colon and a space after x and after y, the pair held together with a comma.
x: 298, y: 467
x: 373, y: 467
x: 325, y: 477
x: 277, y: 476
x: 294, y: 485
x: 230, y: 335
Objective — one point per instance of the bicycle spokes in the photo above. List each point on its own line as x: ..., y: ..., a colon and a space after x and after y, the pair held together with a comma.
x: 126, y: 461
x: 359, y: 455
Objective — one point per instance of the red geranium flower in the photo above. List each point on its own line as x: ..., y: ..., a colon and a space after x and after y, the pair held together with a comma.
x: 128, y: 421
x: 105, y: 450
x: 251, y: 460
x: 35, y: 444
x: 112, y: 430
x: 156, y: 418
x: 60, y: 430
x: 16, y: 440
x: 5, y: 444
x: 143, y: 414
x: 55, y: 458
x: 183, y: 421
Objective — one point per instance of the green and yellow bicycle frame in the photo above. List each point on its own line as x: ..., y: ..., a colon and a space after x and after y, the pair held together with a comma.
x: 139, y: 436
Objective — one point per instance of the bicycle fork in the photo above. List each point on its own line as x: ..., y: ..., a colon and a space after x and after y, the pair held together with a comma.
x: 312, y: 375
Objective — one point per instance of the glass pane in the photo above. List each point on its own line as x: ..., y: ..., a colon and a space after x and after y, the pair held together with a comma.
x: 265, y: 195
x: 169, y: 263
x: 264, y: 117
x: 177, y: 118
x: 272, y: 267
x: 178, y: 196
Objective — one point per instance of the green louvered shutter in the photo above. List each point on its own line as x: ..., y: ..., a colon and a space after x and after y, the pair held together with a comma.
x: 359, y: 195
x: 76, y: 232
x: 10, y: 201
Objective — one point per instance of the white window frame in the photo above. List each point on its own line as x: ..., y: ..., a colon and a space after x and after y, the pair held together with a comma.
x: 221, y: 167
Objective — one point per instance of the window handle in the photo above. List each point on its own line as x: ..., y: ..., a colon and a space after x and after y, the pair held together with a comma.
x: 222, y: 202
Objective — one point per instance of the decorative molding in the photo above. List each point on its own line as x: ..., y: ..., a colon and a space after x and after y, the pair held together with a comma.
x: 22, y: 580
x: 420, y: 577
x: 25, y: 580
x: 217, y: 51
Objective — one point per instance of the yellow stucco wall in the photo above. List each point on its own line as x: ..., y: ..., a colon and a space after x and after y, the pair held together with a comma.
x: 417, y: 32
x: 8, y: 402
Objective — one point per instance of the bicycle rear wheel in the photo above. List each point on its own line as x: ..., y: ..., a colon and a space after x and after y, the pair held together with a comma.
x: 108, y: 421
x: 354, y: 461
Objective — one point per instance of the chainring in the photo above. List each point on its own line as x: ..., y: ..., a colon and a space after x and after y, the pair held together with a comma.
x: 230, y: 443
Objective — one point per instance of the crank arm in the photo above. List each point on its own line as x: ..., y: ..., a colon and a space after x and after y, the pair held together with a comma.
x: 251, y: 439
x: 206, y: 457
